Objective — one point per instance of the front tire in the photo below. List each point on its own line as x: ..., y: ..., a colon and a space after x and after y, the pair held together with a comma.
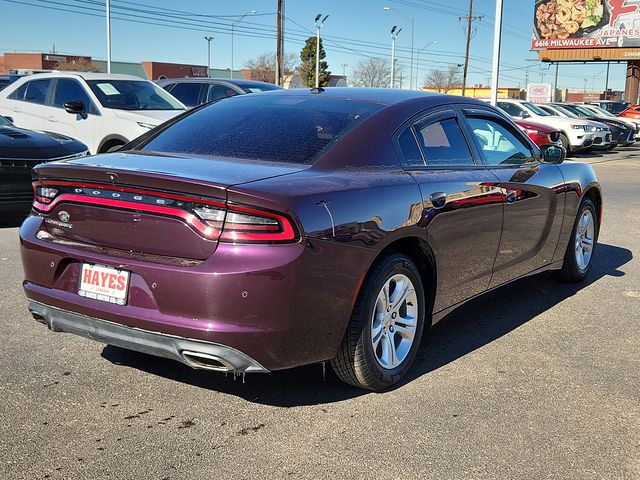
x: 386, y: 326
x: 582, y: 244
x: 565, y: 143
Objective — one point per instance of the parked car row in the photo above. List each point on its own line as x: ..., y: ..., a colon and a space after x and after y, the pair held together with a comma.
x: 577, y: 127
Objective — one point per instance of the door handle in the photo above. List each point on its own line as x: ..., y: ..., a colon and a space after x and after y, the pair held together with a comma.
x: 52, y: 119
x: 438, y: 199
x: 512, y: 195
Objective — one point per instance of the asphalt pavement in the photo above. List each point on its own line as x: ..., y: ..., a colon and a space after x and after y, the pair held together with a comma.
x: 540, y: 380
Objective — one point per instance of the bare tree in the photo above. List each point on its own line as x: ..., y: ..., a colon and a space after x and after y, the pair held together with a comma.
x: 373, y: 72
x: 263, y: 67
x: 444, y: 80
x: 77, y: 65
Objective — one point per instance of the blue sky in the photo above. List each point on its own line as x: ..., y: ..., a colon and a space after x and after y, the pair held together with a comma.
x: 355, y: 29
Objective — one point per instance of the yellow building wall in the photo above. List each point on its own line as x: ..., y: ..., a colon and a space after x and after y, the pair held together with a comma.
x: 483, y: 92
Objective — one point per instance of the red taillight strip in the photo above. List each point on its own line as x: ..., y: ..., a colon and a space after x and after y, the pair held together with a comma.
x: 192, y: 220
x: 117, y: 188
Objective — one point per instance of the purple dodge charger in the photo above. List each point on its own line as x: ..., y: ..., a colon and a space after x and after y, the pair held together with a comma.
x: 268, y: 231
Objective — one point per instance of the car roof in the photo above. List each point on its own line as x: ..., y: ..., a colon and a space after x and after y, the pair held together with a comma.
x: 382, y: 96
x: 86, y: 76
x: 234, y: 81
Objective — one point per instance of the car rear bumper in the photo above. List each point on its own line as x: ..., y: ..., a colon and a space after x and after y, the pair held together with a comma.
x: 261, y: 300
x: 194, y: 353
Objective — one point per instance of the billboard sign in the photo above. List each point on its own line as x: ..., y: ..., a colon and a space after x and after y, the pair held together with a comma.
x: 539, y: 92
x: 569, y: 24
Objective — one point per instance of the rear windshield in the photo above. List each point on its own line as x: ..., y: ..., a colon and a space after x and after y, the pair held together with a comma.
x: 258, y: 87
x: 288, y: 129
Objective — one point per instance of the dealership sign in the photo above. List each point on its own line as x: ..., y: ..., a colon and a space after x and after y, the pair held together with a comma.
x: 539, y: 93
x: 569, y: 24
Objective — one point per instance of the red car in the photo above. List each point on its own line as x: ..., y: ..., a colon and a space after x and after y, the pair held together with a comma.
x: 632, y: 112
x: 538, y: 133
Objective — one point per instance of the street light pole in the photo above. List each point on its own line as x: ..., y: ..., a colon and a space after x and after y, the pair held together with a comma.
x: 319, y: 24
x: 209, y: 40
x: 394, y: 33
x: 412, y: 36
x: 344, y: 69
x: 108, y: 14
x: 233, y: 27
x: 418, y: 59
x: 495, y: 68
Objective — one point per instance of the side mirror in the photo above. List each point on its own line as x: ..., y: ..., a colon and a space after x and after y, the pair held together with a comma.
x: 553, y: 154
x: 525, y: 115
x: 76, y: 108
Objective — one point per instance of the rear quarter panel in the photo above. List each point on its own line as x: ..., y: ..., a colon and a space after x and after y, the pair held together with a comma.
x: 579, y: 178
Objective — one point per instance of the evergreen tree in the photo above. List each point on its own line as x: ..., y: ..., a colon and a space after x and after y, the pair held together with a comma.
x: 308, y: 64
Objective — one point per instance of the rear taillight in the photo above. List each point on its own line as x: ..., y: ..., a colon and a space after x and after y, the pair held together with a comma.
x: 212, y: 218
x: 247, y: 224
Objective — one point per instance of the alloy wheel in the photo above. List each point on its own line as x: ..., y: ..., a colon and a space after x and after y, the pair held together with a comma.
x: 394, y: 321
x: 584, y: 240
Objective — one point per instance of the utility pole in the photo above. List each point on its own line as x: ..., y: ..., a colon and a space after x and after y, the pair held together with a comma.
x: 209, y: 40
x: 280, y: 46
x: 319, y: 24
x: 108, y: 14
x: 470, y: 18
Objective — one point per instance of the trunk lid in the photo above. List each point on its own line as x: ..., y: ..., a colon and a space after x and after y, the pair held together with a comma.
x: 144, y: 202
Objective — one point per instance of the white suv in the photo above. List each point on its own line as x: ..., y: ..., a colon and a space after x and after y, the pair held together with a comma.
x: 101, y: 110
x: 575, y: 134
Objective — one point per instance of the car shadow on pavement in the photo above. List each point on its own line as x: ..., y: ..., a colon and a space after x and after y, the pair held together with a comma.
x: 472, y: 326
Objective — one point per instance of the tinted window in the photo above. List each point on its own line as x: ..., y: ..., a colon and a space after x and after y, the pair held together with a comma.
x: 288, y: 129
x: 132, y: 95
x: 499, y: 145
x: 511, y: 109
x: 535, y: 109
x: 187, y: 93
x: 258, y: 87
x: 4, y: 83
x: 19, y: 93
x: 410, y: 149
x: 37, y: 91
x: 68, y: 90
x: 443, y: 143
x: 216, y: 92
x: 4, y: 122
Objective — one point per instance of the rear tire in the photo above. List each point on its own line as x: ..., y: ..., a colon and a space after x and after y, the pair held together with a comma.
x: 582, y: 244
x: 386, y: 326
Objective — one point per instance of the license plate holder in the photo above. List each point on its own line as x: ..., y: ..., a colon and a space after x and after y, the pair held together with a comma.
x: 103, y: 283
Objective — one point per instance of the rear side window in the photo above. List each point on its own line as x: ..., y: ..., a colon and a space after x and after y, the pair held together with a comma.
x: 37, y: 91
x: 287, y: 129
x: 443, y: 143
x: 216, y: 92
x: 18, y: 94
x: 68, y: 90
x: 410, y: 149
x: 187, y: 93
